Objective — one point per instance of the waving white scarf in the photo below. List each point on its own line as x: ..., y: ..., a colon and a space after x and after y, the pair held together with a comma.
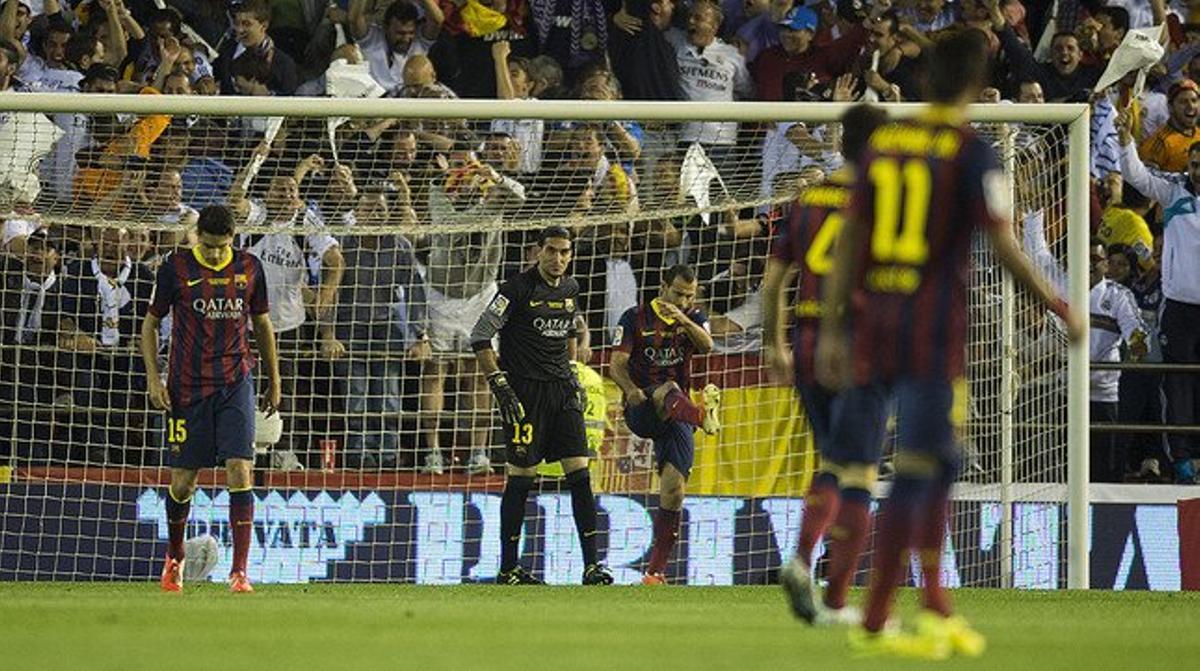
x: 33, y: 299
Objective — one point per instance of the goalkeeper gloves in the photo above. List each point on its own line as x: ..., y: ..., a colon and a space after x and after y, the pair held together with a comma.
x: 511, y: 410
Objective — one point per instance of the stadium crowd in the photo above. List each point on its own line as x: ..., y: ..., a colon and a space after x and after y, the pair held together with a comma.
x: 374, y: 328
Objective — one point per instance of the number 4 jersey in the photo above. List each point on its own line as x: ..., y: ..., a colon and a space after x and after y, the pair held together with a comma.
x: 806, y: 240
x: 923, y: 188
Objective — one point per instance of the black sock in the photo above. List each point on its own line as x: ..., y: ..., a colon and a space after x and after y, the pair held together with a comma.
x: 583, y: 506
x: 512, y: 518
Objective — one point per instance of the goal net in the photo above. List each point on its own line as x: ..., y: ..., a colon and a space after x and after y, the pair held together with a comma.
x: 384, y: 227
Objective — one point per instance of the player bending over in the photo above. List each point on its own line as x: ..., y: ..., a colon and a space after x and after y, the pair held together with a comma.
x: 214, y: 293
x: 848, y: 428
x: 923, y: 188
x: 539, y: 397
x: 652, y: 365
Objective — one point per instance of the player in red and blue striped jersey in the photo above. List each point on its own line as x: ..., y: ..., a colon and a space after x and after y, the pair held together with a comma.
x: 922, y: 189
x: 214, y: 295
x: 651, y: 363
x: 849, y: 450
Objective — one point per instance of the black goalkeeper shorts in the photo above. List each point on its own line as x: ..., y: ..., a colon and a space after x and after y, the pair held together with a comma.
x: 553, y: 427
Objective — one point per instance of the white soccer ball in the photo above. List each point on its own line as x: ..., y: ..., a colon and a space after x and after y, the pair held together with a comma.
x: 202, y: 554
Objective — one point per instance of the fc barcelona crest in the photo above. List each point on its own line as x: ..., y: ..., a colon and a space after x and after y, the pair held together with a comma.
x: 240, y: 281
x: 569, y: 304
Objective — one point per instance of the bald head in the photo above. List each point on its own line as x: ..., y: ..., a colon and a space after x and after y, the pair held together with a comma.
x: 418, y: 71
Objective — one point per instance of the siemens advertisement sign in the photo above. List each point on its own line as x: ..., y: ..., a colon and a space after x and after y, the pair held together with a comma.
x: 77, y: 532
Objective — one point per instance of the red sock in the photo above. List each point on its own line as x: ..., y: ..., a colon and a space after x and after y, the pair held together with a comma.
x: 177, y: 519
x: 820, y: 505
x: 241, y: 521
x: 931, y: 534
x: 666, y: 530
x: 847, y: 540
x: 680, y: 408
x: 889, y: 564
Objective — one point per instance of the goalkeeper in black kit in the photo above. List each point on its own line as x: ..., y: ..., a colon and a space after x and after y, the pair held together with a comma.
x: 539, y: 397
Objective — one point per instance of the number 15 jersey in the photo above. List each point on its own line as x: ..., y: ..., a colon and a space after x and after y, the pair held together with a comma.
x: 923, y: 188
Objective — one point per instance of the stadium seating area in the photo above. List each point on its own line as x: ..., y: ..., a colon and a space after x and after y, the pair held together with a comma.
x: 367, y: 322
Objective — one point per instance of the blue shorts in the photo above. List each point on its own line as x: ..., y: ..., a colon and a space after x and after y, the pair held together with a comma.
x: 674, y: 441
x: 818, y: 405
x: 930, y: 416
x: 213, y: 429
x: 858, y: 425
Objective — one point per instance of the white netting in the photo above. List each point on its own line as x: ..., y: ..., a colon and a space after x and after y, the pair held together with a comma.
x: 391, y: 229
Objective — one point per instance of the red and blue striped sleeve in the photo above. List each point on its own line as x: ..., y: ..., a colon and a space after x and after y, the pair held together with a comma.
x: 166, y: 288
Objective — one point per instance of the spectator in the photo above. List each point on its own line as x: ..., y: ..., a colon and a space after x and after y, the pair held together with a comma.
x: 461, y: 274
x: 930, y: 16
x: 1179, y: 326
x: 471, y: 29
x: 1167, y: 148
x: 1124, y: 219
x: 48, y: 69
x: 1063, y: 78
x: 644, y: 60
x: 514, y: 81
x: 285, y: 260
x: 381, y: 320
x: 399, y: 35
x: 98, y: 311
x: 1140, y: 394
x: 1115, y: 319
x: 762, y: 30
x: 546, y: 78
x: 892, y: 59
x: 251, y: 19
x: 710, y: 70
x: 29, y: 283
x: 572, y: 32
x: 797, y: 53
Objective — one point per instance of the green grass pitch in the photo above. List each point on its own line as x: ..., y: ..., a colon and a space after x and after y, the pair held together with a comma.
x: 350, y: 627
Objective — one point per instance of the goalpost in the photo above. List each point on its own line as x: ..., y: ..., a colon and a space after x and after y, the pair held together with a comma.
x: 439, y: 228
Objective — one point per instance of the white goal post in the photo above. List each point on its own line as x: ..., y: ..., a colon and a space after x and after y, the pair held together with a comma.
x: 1074, y: 118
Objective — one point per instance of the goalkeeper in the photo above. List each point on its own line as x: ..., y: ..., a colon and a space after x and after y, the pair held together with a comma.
x: 540, y: 400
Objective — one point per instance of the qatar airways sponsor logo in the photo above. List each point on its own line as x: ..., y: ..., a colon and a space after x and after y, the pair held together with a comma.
x: 219, y: 308
x: 553, y: 327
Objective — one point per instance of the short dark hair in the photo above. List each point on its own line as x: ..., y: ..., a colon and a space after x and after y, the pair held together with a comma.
x: 100, y: 72
x: 960, y: 62
x: 1194, y: 147
x: 1118, y: 16
x: 555, y: 231
x: 215, y: 220
x: 80, y: 45
x: 167, y: 15
x: 402, y: 12
x: 679, y: 271
x: 857, y: 125
x: 261, y: 9
x: 1063, y: 33
x: 252, y: 66
x: 1131, y: 198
